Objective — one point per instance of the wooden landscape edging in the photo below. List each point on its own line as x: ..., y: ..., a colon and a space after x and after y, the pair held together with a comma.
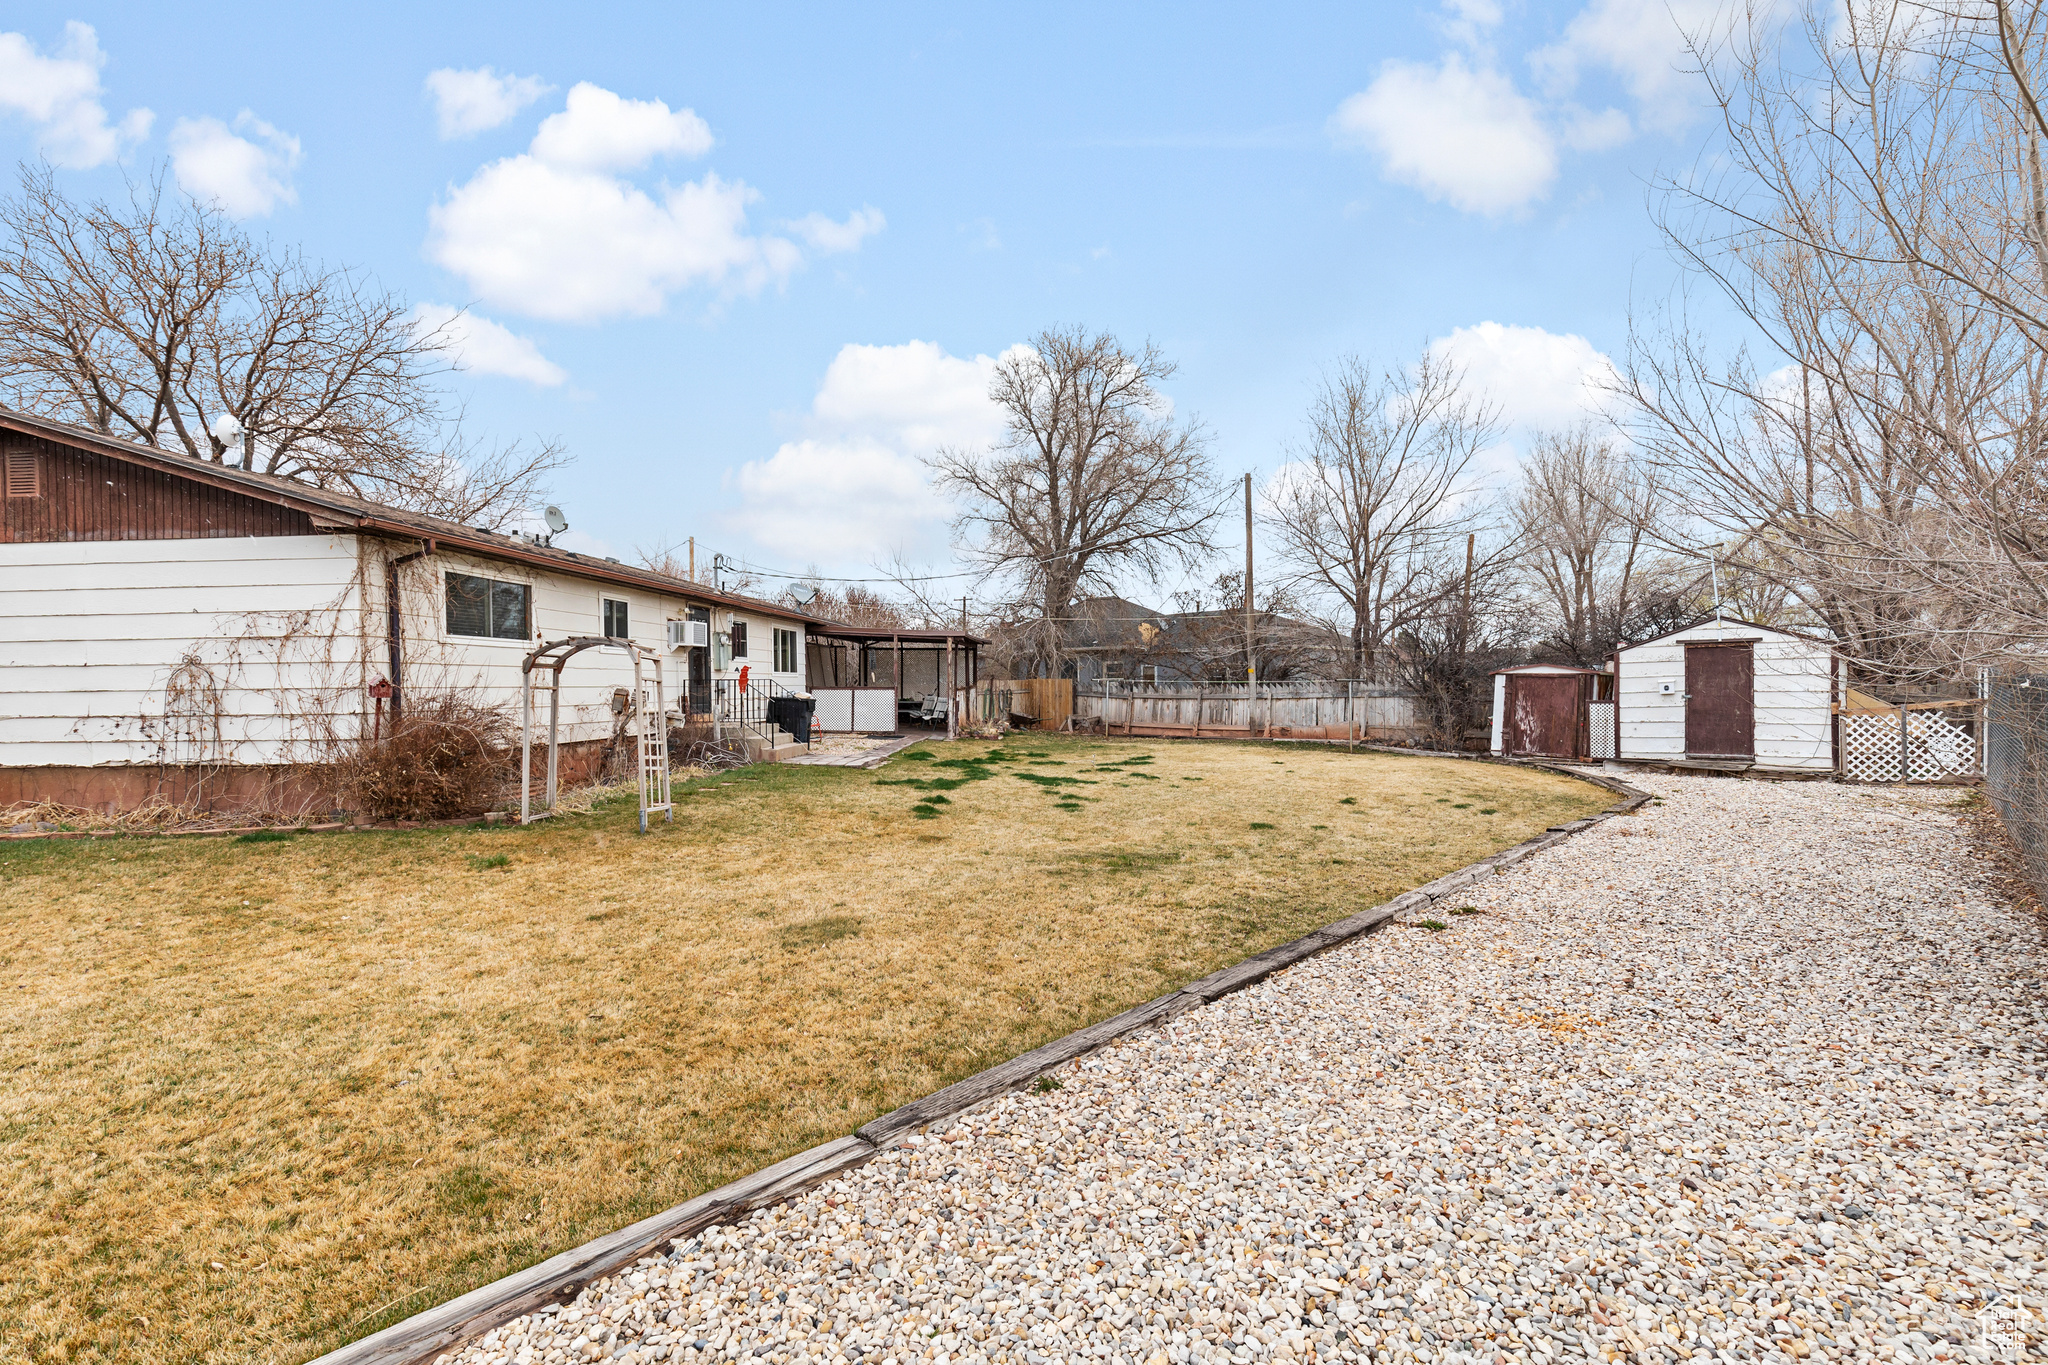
x: 559, y: 1279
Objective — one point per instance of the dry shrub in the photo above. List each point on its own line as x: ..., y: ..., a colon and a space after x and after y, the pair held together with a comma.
x: 447, y: 756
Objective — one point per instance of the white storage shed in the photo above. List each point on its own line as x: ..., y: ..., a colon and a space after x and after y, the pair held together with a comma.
x: 1730, y: 694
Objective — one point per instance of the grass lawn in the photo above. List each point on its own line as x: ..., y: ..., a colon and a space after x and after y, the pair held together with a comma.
x: 266, y: 1097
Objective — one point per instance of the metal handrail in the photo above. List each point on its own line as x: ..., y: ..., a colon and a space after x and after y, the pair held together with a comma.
x: 749, y: 709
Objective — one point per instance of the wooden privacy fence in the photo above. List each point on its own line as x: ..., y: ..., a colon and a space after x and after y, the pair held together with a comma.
x: 1318, y: 710
x: 1047, y: 701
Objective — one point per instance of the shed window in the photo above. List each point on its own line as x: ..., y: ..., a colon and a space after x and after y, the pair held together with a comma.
x: 785, y: 651
x: 615, y: 627
x: 487, y: 608
x: 739, y: 639
x: 24, y: 474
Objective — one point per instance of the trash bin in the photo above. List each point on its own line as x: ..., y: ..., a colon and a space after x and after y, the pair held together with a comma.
x: 793, y: 714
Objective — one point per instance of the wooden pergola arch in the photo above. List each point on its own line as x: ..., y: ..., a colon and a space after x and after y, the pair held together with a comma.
x: 651, y: 745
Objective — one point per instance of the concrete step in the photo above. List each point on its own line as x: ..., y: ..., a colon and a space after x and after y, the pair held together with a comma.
x: 776, y: 746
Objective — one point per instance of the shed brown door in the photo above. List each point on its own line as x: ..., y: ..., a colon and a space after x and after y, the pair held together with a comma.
x: 1543, y: 715
x: 1720, y: 701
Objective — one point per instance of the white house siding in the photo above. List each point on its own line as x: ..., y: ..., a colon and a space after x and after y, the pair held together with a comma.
x: 760, y: 658
x: 93, y: 635
x: 563, y: 606
x: 257, y: 650
x: 1794, y: 691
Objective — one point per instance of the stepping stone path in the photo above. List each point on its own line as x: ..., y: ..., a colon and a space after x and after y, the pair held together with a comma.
x: 1755, y: 1074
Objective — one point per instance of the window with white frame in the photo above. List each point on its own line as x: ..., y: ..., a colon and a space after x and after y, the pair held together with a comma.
x: 785, y: 651
x: 615, y: 623
x: 488, y: 608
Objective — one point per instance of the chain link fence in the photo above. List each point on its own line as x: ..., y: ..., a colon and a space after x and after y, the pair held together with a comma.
x: 2016, y: 767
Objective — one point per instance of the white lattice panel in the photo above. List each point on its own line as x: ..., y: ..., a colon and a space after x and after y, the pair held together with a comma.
x: 1870, y: 748
x: 1932, y: 747
x: 1600, y: 728
x: 1937, y: 747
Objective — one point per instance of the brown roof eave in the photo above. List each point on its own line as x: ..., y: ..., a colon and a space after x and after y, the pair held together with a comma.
x: 338, y: 514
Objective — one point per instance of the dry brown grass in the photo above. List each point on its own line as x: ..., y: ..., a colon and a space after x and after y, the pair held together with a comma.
x: 263, y: 1098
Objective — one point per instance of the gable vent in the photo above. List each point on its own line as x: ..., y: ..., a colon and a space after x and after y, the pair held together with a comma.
x: 24, y: 475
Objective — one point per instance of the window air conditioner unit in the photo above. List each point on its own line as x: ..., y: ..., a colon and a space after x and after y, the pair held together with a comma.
x: 688, y: 634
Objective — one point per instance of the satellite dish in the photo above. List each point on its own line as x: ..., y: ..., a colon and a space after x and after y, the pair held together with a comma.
x: 557, y: 523
x: 804, y: 596
x: 227, y: 427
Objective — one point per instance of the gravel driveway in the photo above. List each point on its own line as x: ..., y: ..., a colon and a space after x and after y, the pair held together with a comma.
x: 1756, y: 1074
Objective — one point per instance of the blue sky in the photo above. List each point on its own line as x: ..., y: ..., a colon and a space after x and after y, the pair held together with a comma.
x: 749, y: 307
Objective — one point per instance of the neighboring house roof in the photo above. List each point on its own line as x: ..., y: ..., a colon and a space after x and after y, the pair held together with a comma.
x: 1113, y: 623
x: 1709, y: 620
x: 1110, y: 623
x: 343, y: 511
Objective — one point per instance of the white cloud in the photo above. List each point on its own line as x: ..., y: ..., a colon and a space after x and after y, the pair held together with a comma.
x: 1466, y: 21
x: 1642, y: 44
x: 599, y: 131
x: 1539, y: 378
x: 828, y: 237
x: 246, y: 176
x: 854, y: 487
x: 60, y: 95
x: 481, y: 346
x: 1586, y: 131
x: 557, y: 233
x: 469, y: 102
x: 1460, y: 135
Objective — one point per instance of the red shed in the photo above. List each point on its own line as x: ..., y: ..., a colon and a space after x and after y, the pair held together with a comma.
x: 1553, y: 711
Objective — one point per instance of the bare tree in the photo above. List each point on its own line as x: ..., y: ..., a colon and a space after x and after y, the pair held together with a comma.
x: 856, y: 605
x: 1092, y: 481
x: 1367, y: 510
x: 162, y: 322
x: 1876, y: 210
x: 1472, y: 622
x: 1586, y: 515
x: 1205, y: 638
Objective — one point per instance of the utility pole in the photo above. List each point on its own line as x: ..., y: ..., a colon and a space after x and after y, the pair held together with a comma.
x: 693, y: 559
x: 1465, y: 617
x: 1251, y: 658
x: 963, y: 613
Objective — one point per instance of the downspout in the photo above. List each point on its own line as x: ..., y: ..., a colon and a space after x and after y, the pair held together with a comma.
x: 394, y: 631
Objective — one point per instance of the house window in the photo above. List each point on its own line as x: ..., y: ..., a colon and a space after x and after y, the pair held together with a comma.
x: 739, y: 639
x: 24, y: 474
x: 487, y: 608
x: 615, y: 627
x: 785, y: 651
x: 1112, y: 668
x: 1148, y: 673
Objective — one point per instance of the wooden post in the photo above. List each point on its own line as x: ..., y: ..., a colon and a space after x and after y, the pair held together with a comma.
x: 554, y: 730
x: 952, y: 694
x: 1198, y: 710
x: 1251, y: 657
x: 1905, y: 747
